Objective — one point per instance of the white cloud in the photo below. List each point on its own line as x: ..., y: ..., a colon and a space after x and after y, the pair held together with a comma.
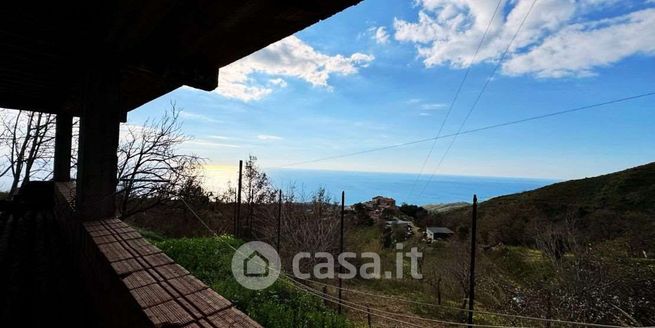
x: 579, y: 48
x: 210, y: 143
x: 278, y: 82
x: 268, y: 137
x: 380, y: 35
x: 425, y: 105
x: 289, y: 57
x: 555, y: 40
x: 133, y: 130
x: 220, y: 137
x: 432, y: 106
x: 198, y: 117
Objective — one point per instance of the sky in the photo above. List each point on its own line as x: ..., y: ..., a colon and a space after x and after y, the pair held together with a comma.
x: 387, y: 71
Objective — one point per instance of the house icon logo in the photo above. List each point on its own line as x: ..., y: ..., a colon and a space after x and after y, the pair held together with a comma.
x: 256, y: 265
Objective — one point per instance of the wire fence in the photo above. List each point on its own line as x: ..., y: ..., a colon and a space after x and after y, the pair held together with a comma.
x: 304, y: 285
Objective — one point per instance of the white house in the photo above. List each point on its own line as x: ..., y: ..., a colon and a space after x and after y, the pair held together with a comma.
x: 433, y: 233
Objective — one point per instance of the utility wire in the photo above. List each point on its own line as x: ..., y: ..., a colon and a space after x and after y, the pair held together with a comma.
x: 354, y: 304
x: 479, y: 96
x: 335, y: 301
x: 404, y: 300
x: 284, y: 275
x: 291, y: 280
x: 484, y: 128
x: 452, y: 103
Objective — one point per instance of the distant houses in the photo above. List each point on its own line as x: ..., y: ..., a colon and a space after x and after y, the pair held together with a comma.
x: 378, y: 205
x: 397, y: 225
x: 383, y: 202
x: 435, y: 233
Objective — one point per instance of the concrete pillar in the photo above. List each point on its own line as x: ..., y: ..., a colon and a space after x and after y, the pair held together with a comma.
x: 97, y: 158
x: 63, y: 135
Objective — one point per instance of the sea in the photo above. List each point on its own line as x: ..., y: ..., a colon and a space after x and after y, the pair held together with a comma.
x: 403, y: 187
x: 362, y: 186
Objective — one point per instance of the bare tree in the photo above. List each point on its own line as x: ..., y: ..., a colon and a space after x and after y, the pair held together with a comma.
x: 309, y: 226
x: 308, y: 223
x: 258, y: 193
x: 151, y: 168
x: 28, y: 142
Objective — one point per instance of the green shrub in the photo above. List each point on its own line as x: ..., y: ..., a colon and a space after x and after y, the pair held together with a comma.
x: 280, y: 305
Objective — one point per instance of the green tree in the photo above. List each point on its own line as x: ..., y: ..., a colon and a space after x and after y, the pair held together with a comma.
x: 362, y: 217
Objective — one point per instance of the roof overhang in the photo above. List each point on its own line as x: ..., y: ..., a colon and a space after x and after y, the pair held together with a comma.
x: 49, y: 48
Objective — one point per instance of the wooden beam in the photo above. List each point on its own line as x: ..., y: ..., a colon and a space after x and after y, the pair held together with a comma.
x: 204, y: 77
x: 63, y: 140
x: 98, y: 144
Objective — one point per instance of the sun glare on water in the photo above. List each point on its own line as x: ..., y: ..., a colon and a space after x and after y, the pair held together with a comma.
x: 216, y: 176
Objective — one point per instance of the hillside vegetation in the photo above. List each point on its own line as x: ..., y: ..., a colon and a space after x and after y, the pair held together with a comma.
x: 580, y: 250
x: 617, y: 207
x: 280, y: 305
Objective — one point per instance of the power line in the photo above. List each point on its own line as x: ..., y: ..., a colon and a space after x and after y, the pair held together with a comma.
x: 291, y: 280
x: 484, y: 128
x: 284, y: 275
x: 354, y: 304
x: 335, y: 301
x: 479, y: 96
x: 404, y: 300
x: 452, y: 103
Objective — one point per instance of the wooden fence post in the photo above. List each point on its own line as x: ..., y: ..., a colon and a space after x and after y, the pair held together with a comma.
x: 237, y: 210
x: 471, y: 300
x: 279, y: 219
x: 343, y: 201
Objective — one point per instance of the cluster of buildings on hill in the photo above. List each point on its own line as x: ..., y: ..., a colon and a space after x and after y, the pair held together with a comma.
x: 378, y: 205
x: 384, y: 208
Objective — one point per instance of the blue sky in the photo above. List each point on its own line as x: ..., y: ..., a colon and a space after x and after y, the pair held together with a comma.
x: 385, y: 72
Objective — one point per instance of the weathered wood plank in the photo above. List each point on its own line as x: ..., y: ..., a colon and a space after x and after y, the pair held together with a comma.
x: 126, y: 266
x: 156, y: 275
x: 150, y: 295
x: 204, y: 324
x: 170, y: 271
x: 167, y: 292
x: 105, y: 239
x: 93, y: 226
x: 138, y: 279
x: 192, y: 325
x: 141, y: 248
x: 169, y: 313
x: 156, y: 260
x: 190, y: 308
x: 232, y: 318
x: 100, y: 231
x: 129, y: 235
x: 208, y: 301
x: 114, y: 252
x: 170, y: 289
x: 187, y: 284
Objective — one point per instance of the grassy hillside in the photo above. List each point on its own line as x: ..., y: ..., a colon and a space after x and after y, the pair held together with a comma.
x: 629, y: 190
x: 280, y: 305
x: 440, y: 208
x: 613, y: 207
